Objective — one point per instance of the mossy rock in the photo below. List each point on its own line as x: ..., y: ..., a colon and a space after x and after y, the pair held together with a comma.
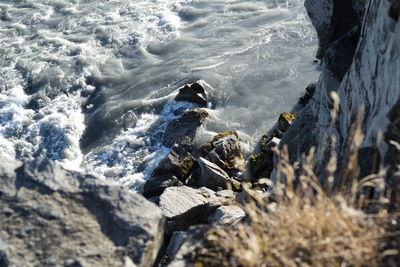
x: 186, y: 167
x: 225, y: 151
x: 394, y: 10
x: 285, y: 120
x: 207, y: 147
x: 262, y: 164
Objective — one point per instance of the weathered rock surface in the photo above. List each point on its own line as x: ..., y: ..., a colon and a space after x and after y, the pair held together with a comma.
x: 183, y: 129
x: 194, y: 93
x: 193, y: 239
x: 224, y: 150
x: 53, y: 217
x: 175, y: 243
x: 176, y: 201
x: 226, y: 215
x: 214, y: 177
x: 155, y: 186
x: 178, y: 162
x: 372, y: 80
x: 185, y: 206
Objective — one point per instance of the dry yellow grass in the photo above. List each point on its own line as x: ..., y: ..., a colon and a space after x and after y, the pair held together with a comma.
x: 309, y: 224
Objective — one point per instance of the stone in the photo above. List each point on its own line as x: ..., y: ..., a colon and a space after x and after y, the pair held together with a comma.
x: 179, y: 162
x: 310, y: 90
x: 194, y: 93
x: 177, y: 201
x: 185, y: 206
x: 285, y: 120
x: 394, y: 9
x: 226, y: 216
x: 224, y: 150
x: 262, y: 164
x: 192, y: 240
x: 214, y: 177
x: 184, y: 128
x: 155, y: 186
x: 175, y: 243
x: 50, y: 216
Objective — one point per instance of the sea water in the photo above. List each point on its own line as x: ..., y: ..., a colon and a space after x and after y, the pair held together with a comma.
x: 91, y: 83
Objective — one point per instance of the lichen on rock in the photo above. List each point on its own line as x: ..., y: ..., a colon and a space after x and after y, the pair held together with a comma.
x: 285, y: 120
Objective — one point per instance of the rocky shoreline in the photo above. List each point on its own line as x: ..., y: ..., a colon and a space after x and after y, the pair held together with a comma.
x: 54, y: 217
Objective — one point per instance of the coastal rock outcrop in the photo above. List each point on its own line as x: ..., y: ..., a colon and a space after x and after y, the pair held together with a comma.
x: 53, y: 217
x: 363, y: 35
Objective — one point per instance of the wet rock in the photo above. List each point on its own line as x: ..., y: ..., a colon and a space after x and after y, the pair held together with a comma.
x: 179, y: 162
x: 262, y: 164
x: 285, y: 120
x: 226, y: 215
x: 155, y: 186
x: 310, y: 90
x: 184, y: 128
x: 194, y: 93
x: 50, y: 216
x: 214, y: 177
x: 224, y: 150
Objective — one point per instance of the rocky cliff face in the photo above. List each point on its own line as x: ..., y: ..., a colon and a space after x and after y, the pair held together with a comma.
x: 359, y: 49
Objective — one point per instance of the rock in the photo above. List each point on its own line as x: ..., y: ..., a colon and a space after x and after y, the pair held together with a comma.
x: 50, y: 216
x: 155, y: 186
x: 262, y: 164
x: 214, y: 177
x: 394, y: 9
x: 185, y: 206
x: 285, y: 120
x: 193, y: 239
x: 177, y: 201
x: 310, y: 90
x: 365, y: 84
x: 264, y: 141
x: 184, y: 128
x: 194, y: 93
x: 175, y: 243
x: 179, y: 162
x: 226, y: 215
x: 339, y: 56
x: 332, y: 19
x: 224, y: 150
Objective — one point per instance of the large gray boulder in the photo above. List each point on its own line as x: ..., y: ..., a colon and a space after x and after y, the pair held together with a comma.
x: 185, y: 206
x: 183, y: 129
x: 53, y: 217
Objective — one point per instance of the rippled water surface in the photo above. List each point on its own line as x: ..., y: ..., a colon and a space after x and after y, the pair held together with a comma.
x: 90, y: 83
